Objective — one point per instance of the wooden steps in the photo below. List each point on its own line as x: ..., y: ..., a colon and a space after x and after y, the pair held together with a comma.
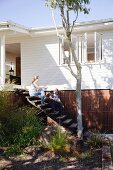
x: 73, y: 127
x: 67, y: 122
x: 63, y: 117
x: 33, y: 98
x: 54, y: 114
x: 45, y: 111
x: 43, y: 106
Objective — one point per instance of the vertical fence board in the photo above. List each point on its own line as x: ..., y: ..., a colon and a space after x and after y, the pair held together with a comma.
x: 97, y: 108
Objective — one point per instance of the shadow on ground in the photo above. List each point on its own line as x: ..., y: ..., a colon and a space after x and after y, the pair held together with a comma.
x: 39, y: 159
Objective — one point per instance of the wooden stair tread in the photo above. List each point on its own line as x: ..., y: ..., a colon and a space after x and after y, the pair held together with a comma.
x: 55, y: 113
x: 73, y: 125
x: 48, y: 110
x: 25, y: 93
x: 33, y: 97
x: 35, y: 101
x: 43, y: 106
x: 67, y: 121
x: 62, y: 117
x: 38, y: 102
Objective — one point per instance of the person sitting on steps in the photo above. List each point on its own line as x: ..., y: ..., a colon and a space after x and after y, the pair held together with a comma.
x: 35, y: 90
x: 55, y: 102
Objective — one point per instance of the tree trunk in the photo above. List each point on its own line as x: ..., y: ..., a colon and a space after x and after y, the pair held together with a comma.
x: 78, y: 103
x: 78, y: 90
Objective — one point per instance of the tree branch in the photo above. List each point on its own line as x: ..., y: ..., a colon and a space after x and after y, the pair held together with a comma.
x: 74, y: 21
x: 64, y: 21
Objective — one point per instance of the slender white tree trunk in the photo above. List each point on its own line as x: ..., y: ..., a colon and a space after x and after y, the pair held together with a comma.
x: 78, y: 90
x: 78, y: 103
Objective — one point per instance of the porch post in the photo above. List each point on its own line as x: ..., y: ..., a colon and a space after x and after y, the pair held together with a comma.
x: 2, y: 59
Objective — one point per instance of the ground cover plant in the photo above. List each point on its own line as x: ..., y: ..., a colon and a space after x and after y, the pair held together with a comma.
x: 19, y: 126
x: 95, y: 140
x: 5, y: 104
x: 20, y: 130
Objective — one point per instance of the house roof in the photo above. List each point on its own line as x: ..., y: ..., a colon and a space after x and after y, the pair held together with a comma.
x: 79, y: 27
x: 12, y: 26
x: 103, y: 24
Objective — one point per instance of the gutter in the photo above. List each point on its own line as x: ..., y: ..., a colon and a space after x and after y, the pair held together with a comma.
x: 78, y: 27
x: 81, y: 26
x: 9, y: 25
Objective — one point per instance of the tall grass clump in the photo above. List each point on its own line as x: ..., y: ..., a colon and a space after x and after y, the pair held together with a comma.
x: 20, y: 130
x: 95, y: 140
x: 59, y: 142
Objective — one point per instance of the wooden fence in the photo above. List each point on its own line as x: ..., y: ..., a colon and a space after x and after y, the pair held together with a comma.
x: 97, y: 108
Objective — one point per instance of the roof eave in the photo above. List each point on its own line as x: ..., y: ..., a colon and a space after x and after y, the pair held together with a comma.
x: 11, y: 26
x: 82, y: 26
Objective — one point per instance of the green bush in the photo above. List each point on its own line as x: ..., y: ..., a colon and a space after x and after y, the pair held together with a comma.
x: 5, y: 104
x: 21, y: 129
x: 14, y: 149
x: 95, y: 140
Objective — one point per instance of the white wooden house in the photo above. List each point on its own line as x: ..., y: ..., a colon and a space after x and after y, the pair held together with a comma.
x: 37, y: 51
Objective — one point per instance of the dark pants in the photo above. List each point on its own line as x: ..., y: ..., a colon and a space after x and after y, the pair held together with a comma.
x: 56, y: 106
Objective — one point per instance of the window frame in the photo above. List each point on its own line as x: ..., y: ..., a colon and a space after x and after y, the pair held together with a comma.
x: 80, y: 42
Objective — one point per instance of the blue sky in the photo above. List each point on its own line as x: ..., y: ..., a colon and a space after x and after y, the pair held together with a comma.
x: 33, y: 13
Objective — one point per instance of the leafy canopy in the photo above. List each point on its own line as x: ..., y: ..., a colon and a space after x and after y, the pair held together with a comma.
x: 75, y: 5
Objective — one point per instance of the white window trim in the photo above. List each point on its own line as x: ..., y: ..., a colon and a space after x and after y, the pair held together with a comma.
x: 81, y: 50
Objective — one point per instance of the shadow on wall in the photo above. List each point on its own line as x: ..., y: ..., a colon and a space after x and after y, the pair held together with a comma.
x: 100, y: 74
x: 45, y: 63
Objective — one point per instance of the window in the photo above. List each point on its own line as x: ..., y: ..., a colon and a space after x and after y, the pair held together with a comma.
x: 98, y: 47
x: 94, y: 47
x: 64, y: 52
x: 88, y: 48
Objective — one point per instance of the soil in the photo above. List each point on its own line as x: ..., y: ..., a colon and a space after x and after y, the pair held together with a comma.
x: 39, y: 159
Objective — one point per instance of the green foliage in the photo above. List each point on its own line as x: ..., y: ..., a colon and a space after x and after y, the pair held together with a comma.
x: 20, y: 130
x: 95, y: 140
x: 58, y: 141
x: 14, y: 149
x: 5, y: 104
x: 75, y: 5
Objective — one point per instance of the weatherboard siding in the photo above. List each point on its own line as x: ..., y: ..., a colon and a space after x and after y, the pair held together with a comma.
x: 100, y: 75
x: 40, y: 55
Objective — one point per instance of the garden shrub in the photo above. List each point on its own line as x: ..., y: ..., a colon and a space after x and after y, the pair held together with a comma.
x: 9, y: 101
x: 95, y: 140
x: 5, y: 104
x: 20, y: 129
